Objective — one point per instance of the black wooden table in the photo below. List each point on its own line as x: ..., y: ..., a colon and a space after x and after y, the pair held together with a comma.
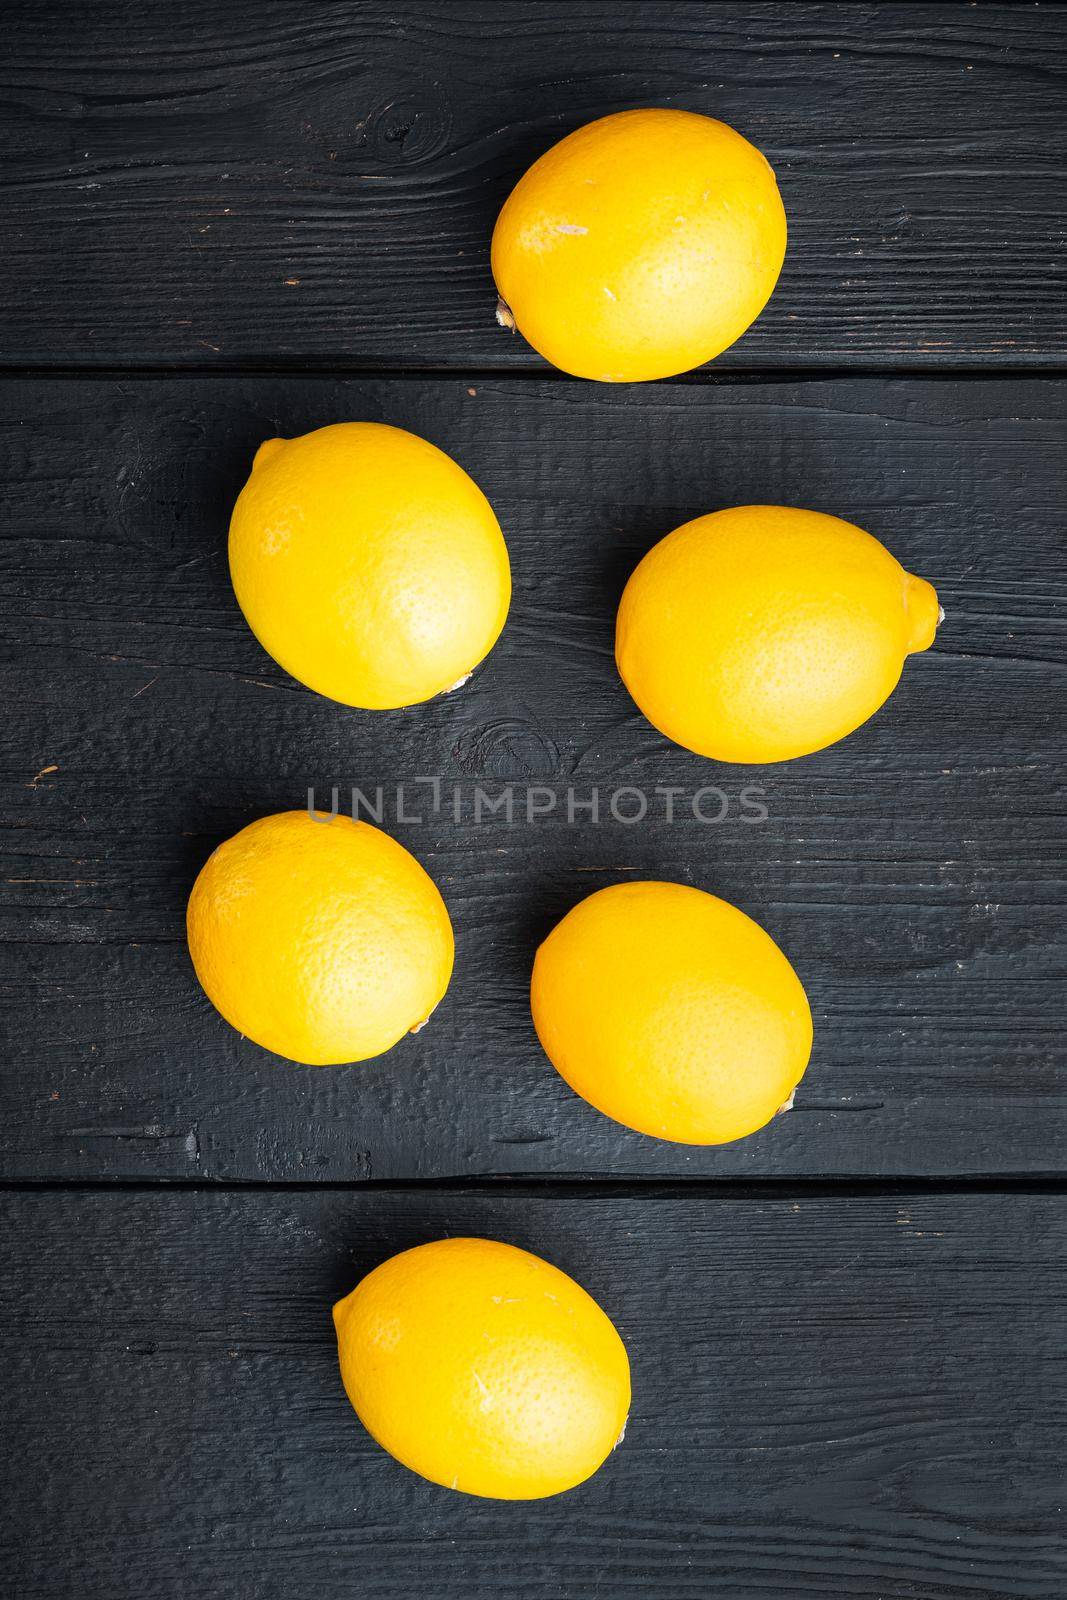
x: 848, y: 1332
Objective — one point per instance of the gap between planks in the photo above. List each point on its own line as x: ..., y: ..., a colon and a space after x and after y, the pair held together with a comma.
x: 314, y: 367
x: 572, y: 1185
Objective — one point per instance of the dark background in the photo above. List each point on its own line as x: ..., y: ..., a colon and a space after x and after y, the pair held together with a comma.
x: 847, y: 1332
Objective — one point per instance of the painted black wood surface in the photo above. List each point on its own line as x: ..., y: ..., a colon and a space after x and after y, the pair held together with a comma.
x: 911, y: 873
x: 832, y: 1398
x: 247, y: 182
x: 842, y: 1388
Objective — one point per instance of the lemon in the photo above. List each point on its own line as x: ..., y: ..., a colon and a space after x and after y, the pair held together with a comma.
x: 484, y: 1368
x: 323, y: 940
x: 639, y: 246
x: 368, y: 564
x: 672, y: 1012
x: 764, y: 632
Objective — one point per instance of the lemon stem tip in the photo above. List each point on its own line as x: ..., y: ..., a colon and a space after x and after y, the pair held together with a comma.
x: 924, y: 613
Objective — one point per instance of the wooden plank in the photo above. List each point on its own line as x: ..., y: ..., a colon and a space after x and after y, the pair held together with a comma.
x: 225, y: 184
x: 832, y: 1398
x: 914, y: 873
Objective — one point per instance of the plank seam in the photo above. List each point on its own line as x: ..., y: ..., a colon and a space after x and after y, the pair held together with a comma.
x: 553, y: 1186
x: 737, y: 376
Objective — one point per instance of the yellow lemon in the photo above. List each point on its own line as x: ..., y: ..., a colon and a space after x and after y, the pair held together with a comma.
x: 368, y: 564
x: 484, y: 1368
x: 763, y: 632
x: 639, y: 246
x: 672, y: 1012
x: 322, y: 940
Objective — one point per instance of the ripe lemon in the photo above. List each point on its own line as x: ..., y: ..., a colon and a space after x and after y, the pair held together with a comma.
x: 322, y: 940
x: 671, y: 1012
x: 763, y: 632
x: 368, y: 564
x: 484, y: 1368
x: 639, y: 246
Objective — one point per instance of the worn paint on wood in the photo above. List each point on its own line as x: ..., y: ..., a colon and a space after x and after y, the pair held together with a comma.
x: 248, y: 183
x: 913, y: 873
x: 839, y: 1394
x: 832, y: 1397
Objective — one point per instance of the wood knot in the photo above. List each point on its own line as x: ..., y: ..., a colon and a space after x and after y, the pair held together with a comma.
x: 411, y: 127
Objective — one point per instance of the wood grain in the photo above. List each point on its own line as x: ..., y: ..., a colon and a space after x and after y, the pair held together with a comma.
x: 832, y: 1398
x: 913, y: 873
x: 246, y: 183
x: 840, y: 1393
